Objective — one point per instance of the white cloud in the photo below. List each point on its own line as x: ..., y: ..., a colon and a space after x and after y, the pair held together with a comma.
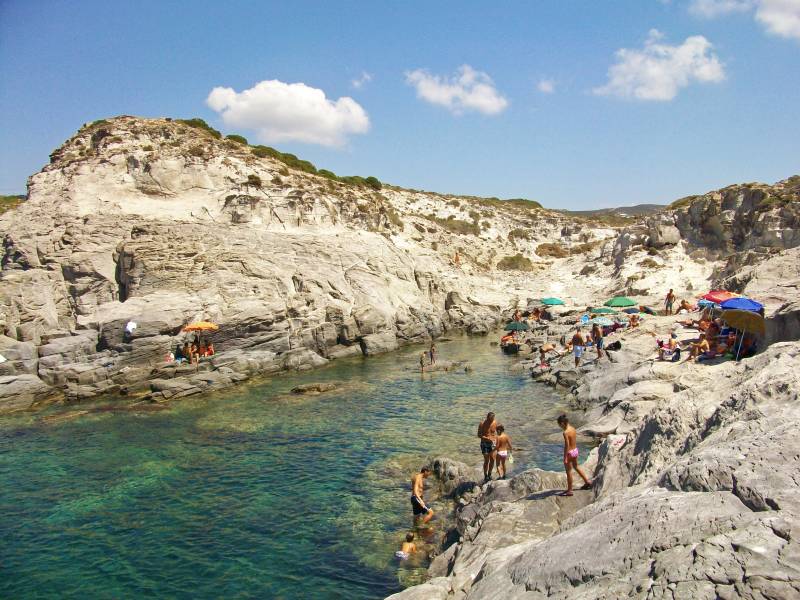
x: 546, y: 86
x: 658, y: 71
x: 281, y: 112
x: 467, y: 90
x: 714, y: 8
x: 780, y: 17
x: 360, y: 81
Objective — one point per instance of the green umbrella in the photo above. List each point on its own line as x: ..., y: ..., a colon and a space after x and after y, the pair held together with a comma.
x: 601, y: 310
x: 552, y: 301
x: 517, y: 326
x: 620, y: 301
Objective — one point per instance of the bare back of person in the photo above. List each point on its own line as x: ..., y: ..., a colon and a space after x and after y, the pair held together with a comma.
x: 487, y: 432
x: 571, y: 455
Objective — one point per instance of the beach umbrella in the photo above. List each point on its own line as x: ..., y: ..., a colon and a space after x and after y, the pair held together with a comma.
x: 602, y: 310
x: 517, y: 326
x: 620, y: 301
x: 602, y: 321
x: 201, y: 326
x: 719, y: 296
x: 745, y: 320
x: 552, y: 301
x: 705, y: 303
x: 631, y: 311
x: 742, y: 304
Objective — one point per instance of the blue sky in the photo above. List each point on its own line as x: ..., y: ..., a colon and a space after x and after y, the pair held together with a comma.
x: 677, y: 114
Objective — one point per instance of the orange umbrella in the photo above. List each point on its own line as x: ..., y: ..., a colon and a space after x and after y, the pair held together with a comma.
x: 201, y: 326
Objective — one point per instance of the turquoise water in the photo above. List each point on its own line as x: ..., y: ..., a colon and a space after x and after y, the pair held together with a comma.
x: 255, y: 492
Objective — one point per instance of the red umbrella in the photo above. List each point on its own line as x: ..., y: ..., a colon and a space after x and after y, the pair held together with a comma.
x: 719, y: 296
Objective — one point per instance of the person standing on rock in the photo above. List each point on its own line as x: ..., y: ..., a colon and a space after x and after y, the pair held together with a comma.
x: 433, y: 354
x: 578, y: 344
x: 503, y: 450
x: 422, y: 513
x: 571, y: 455
x: 668, y: 302
x: 487, y: 432
x: 597, y: 337
x: 422, y: 362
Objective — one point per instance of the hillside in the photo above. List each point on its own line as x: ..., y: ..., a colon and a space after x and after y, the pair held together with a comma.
x: 163, y: 222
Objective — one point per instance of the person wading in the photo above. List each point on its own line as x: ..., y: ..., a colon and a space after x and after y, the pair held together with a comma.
x: 422, y: 513
x: 487, y: 432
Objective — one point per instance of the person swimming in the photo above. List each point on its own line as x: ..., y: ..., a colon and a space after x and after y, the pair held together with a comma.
x: 407, y: 548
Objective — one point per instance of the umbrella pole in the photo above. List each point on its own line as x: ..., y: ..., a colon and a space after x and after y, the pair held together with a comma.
x: 741, y: 340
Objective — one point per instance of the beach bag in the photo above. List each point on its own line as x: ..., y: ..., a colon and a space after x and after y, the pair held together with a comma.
x: 676, y: 355
x: 614, y: 346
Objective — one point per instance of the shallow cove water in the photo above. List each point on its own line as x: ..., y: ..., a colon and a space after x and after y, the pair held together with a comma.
x: 255, y: 492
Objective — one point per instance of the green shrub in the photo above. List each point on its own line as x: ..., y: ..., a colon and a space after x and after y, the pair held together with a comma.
x: 201, y: 124
x: 683, y: 202
x: 584, y: 248
x: 552, y: 250
x: 455, y: 225
x: 283, y: 171
x: 454, y: 203
x: 10, y: 202
x: 373, y: 182
x: 254, y: 181
x: 197, y: 151
x: 518, y: 234
x: 649, y: 263
x: 98, y: 122
x: 237, y: 138
x: 475, y: 215
x: 148, y: 148
x: 353, y: 180
x: 327, y: 174
x: 515, y: 263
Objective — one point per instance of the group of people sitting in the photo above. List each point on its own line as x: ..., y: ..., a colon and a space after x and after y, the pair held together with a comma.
x: 191, y: 353
x: 715, y: 339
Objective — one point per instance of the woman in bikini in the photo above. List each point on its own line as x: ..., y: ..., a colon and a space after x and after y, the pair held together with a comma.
x: 503, y: 451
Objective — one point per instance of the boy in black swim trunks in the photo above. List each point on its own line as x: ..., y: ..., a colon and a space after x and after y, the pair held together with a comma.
x: 487, y: 431
x: 422, y: 514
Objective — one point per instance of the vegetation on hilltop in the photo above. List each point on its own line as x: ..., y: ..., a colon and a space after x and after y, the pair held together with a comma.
x: 10, y: 202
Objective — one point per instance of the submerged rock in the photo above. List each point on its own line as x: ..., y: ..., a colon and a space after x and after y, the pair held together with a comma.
x: 313, y: 388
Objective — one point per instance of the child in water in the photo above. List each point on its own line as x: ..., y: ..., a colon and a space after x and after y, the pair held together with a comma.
x: 407, y: 549
x: 503, y: 450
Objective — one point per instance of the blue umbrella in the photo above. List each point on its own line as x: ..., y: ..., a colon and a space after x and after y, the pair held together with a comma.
x: 704, y: 303
x: 602, y: 321
x: 742, y: 304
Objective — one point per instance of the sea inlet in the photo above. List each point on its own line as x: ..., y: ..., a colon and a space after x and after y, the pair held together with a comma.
x: 256, y: 492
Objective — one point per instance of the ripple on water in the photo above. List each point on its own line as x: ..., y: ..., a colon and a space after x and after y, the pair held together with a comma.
x: 256, y: 492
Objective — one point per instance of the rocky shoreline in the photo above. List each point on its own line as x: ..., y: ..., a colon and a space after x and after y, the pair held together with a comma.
x: 695, y: 491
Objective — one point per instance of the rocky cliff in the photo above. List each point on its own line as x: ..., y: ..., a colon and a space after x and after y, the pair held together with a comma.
x: 163, y: 222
